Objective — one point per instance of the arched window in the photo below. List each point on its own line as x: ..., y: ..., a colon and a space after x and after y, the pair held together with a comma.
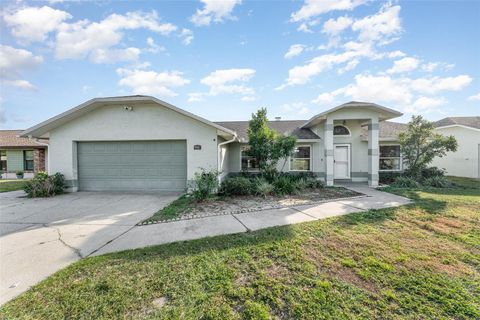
x: 341, y: 131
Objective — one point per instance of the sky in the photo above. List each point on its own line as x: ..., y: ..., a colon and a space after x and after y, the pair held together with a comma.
x: 223, y: 60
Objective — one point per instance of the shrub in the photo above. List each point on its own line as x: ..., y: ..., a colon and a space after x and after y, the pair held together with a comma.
x: 437, y: 182
x: 301, y: 184
x: 388, y: 177
x: 239, y: 186
x: 314, y: 183
x: 432, y: 172
x: 43, y: 185
x: 405, y: 182
x: 263, y: 188
x: 284, y: 185
x: 206, y: 184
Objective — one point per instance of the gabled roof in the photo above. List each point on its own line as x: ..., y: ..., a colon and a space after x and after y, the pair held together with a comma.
x: 388, y: 130
x: 10, y: 139
x: 58, y: 120
x: 284, y: 127
x: 472, y: 122
x: 385, y: 113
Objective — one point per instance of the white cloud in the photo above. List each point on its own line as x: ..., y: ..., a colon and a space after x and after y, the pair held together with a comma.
x: 187, y: 36
x: 324, y: 98
x: 334, y: 27
x: 383, y: 26
x: 151, y: 82
x: 94, y: 40
x: 404, y: 65
x: 307, y: 25
x: 229, y: 81
x: 297, y: 108
x: 214, y: 11
x: 153, y: 47
x: 34, y: 23
x: 294, y: 50
x: 425, y: 104
x: 396, y: 54
x: 349, y: 66
x: 405, y: 93
x: 313, y: 8
x: 15, y: 61
x: 475, y: 97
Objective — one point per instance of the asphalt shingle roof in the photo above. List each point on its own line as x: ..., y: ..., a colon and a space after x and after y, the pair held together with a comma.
x: 285, y: 127
x: 9, y: 138
x: 473, y: 122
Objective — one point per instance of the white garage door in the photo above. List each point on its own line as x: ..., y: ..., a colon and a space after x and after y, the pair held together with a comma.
x: 132, y: 165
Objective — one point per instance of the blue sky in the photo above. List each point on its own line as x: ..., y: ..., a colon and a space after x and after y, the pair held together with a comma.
x: 224, y: 59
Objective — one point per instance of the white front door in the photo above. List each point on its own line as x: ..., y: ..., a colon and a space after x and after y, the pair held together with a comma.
x: 341, y: 158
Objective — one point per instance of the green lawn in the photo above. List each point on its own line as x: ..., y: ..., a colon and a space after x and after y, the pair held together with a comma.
x: 420, y: 261
x: 12, y: 185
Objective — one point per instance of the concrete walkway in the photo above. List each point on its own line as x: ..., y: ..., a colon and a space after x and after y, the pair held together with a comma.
x: 149, y: 235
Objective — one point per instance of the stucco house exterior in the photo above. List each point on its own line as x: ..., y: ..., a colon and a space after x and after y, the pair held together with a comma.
x: 21, y: 154
x: 142, y: 143
x: 465, y: 162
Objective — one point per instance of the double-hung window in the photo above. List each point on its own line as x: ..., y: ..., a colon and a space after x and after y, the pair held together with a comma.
x: 390, y: 158
x: 3, y: 160
x: 249, y: 163
x: 28, y: 160
x: 301, y: 159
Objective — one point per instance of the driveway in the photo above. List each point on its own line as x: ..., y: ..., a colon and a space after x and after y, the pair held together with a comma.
x: 41, y: 236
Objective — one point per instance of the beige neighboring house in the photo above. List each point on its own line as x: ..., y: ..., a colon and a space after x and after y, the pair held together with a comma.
x: 21, y: 154
x: 138, y: 143
x: 466, y: 161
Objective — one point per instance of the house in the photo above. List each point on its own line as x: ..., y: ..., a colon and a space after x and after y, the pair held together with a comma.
x: 143, y: 143
x: 21, y: 154
x: 465, y: 162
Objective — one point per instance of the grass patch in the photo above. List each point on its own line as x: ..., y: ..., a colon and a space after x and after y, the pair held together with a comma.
x: 12, y: 185
x: 465, y: 182
x: 420, y: 261
x: 175, y: 209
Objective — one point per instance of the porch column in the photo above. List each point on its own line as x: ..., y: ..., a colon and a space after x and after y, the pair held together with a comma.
x: 38, y: 160
x: 373, y: 153
x: 328, y: 146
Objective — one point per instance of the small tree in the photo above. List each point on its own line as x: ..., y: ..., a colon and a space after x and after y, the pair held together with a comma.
x: 420, y: 144
x: 266, y: 145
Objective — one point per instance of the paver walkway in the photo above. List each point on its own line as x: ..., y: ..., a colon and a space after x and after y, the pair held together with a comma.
x: 149, y: 235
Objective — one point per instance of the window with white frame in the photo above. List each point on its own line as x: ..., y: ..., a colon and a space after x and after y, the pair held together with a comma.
x: 248, y: 162
x: 340, y: 131
x: 390, y: 158
x: 301, y: 159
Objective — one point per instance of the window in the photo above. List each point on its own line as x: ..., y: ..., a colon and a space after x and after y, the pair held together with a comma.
x: 300, y: 160
x: 390, y: 159
x: 341, y: 131
x: 3, y: 160
x: 249, y: 163
x: 28, y: 160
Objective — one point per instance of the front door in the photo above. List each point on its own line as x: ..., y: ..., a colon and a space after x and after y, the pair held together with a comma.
x: 341, y: 158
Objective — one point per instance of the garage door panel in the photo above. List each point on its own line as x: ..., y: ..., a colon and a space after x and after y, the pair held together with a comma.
x: 132, y: 165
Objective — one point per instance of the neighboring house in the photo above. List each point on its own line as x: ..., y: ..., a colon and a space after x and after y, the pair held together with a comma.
x: 466, y: 161
x: 21, y: 154
x: 142, y: 143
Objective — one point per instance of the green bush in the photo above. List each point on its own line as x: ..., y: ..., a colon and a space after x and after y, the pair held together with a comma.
x: 43, y: 185
x: 263, y: 188
x: 284, y: 185
x: 238, y: 186
x: 405, y: 182
x: 437, y: 182
x: 206, y: 184
x: 301, y: 184
x: 432, y: 172
x: 314, y: 183
x: 388, y: 177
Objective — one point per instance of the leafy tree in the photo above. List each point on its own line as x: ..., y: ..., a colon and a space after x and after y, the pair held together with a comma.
x: 266, y: 145
x: 420, y: 143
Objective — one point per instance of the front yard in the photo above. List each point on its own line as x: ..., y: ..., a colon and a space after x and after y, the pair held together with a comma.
x: 420, y: 261
x: 12, y: 185
x: 187, y: 207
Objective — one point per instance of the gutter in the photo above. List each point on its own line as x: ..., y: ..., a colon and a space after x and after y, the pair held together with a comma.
x: 219, y: 147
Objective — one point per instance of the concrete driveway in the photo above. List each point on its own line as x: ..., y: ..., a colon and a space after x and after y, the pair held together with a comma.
x: 41, y: 236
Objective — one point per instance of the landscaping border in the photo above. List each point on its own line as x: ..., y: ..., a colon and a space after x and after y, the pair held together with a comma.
x: 196, y: 216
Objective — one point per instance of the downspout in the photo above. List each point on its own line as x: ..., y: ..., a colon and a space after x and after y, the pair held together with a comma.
x: 219, y: 150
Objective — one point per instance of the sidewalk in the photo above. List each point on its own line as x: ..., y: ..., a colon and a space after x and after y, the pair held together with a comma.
x: 149, y: 235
